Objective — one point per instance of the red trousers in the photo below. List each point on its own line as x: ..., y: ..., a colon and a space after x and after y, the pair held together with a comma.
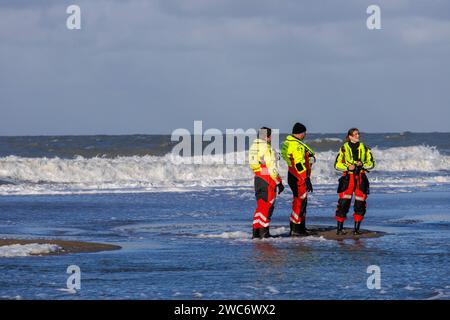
x: 300, y: 197
x: 352, y: 183
x: 266, y: 193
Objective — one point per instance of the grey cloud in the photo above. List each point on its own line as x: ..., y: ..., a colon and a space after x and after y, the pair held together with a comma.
x: 153, y: 66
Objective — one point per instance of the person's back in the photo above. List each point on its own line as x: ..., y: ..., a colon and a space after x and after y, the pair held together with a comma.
x: 262, y: 159
x: 263, y: 162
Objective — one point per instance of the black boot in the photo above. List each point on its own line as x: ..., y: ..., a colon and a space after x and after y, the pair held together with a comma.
x: 340, y: 228
x: 264, y: 233
x: 302, y: 228
x: 303, y: 225
x: 356, y: 229
x: 295, y: 230
x: 256, y: 234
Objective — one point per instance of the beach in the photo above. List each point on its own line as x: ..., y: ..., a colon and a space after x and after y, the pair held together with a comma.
x: 188, y: 236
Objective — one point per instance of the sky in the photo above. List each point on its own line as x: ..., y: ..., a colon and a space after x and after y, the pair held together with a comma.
x: 152, y: 66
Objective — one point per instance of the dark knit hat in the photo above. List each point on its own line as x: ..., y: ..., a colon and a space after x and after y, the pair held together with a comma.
x: 298, y: 128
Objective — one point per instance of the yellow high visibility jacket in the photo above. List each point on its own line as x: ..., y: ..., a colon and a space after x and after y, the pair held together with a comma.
x: 345, y: 157
x: 298, y: 155
x: 263, y: 160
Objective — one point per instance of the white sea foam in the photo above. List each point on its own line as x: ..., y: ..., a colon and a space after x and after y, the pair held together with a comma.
x: 322, y: 140
x: 410, y: 288
x: 395, y: 167
x: 272, y: 290
x: 275, y: 231
x: 18, y: 250
x: 228, y: 235
x: 66, y: 290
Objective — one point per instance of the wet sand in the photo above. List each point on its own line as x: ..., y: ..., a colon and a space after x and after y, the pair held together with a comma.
x: 349, y: 234
x: 330, y: 233
x: 67, y: 247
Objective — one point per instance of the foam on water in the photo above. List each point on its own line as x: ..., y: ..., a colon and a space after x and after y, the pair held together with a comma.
x: 228, y: 235
x: 395, y: 167
x: 410, y: 288
x: 247, y: 236
x: 66, y: 290
x: 276, y: 231
x: 19, y: 250
x: 333, y: 139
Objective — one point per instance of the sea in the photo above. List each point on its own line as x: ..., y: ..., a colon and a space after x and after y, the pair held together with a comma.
x: 185, y: 226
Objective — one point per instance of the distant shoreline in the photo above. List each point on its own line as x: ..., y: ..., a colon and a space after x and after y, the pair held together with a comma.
x: 169, y: 134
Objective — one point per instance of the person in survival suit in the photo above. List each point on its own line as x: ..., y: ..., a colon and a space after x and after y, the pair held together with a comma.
x: 263, y: 161
x: 299, y: 158
x: 354, y: 159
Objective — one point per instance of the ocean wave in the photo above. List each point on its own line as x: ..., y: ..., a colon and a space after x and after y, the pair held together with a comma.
x: 421, y: 165
x: 6, y: 181
x: 329, y: 143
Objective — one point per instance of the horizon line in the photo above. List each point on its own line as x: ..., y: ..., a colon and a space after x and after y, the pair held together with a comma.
x: 169, y: 134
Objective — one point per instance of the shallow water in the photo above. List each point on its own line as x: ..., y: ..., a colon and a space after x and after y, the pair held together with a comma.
x: 196, y: 245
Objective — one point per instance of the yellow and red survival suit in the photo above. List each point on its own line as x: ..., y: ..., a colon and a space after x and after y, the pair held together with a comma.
x: 353, y: 181
x: 299, y: 158
x: 263, y: 161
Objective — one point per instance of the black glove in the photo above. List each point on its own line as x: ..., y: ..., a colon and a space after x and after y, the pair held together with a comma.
x: 309, y: 186
x: 280, y: 188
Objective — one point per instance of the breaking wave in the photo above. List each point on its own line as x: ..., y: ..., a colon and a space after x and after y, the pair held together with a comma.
x: 421, y: 165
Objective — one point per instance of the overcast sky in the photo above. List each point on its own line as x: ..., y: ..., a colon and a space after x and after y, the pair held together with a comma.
x: 153, y: 66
